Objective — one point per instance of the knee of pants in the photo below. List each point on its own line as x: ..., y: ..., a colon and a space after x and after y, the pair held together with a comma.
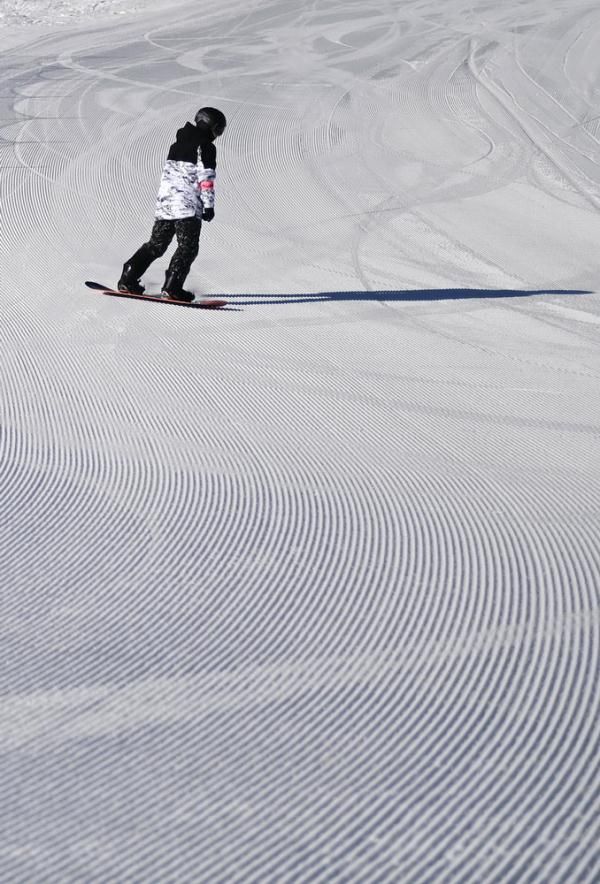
x: 187, y: 252
x: 155, y: 249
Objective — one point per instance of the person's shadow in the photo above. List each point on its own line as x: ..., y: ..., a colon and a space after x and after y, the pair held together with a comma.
x: 412, y: 295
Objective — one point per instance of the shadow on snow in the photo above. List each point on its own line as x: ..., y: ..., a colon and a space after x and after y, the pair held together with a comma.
x: 412, y: 295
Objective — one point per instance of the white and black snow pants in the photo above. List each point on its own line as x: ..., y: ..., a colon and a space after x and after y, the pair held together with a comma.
x: 187, y: 232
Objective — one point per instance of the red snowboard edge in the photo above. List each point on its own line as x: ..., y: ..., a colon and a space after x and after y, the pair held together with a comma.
x: 202, y: 303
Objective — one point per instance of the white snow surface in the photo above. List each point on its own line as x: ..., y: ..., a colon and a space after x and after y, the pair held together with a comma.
x: 305, y: 589
x: 53, y: 12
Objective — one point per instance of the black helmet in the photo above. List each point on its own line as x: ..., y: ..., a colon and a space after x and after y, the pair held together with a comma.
x: 212, y: 120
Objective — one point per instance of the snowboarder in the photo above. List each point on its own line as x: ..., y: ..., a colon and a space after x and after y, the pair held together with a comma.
x: 186, y: 197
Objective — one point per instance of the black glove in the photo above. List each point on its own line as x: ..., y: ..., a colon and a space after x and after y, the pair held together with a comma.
x: 208, y: 214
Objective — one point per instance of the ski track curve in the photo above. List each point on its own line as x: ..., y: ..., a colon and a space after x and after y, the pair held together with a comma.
x: 307, y: 590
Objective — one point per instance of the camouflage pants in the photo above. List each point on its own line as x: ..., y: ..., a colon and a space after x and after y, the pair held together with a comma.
x: 187, y: 232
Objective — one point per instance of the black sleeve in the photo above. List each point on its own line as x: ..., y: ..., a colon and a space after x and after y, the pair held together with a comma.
x: 208, y: 155
x: 185, y: 147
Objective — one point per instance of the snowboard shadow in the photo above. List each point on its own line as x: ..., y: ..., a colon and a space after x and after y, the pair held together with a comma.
x: 410, y: 295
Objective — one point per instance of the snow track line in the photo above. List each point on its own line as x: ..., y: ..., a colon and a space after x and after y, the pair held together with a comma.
x: 504, y: 101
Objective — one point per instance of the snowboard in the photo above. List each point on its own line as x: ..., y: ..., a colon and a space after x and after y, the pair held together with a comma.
x: 204, y: 303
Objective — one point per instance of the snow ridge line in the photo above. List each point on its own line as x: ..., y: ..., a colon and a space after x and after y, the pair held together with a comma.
x: 496, y: 92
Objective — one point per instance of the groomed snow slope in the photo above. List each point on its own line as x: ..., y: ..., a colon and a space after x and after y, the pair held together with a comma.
x: 307, y: 589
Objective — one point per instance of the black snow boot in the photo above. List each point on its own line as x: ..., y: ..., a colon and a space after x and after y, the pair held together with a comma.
x: 173, y: 288
x: 130, y: 281
x: 134, y: 269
